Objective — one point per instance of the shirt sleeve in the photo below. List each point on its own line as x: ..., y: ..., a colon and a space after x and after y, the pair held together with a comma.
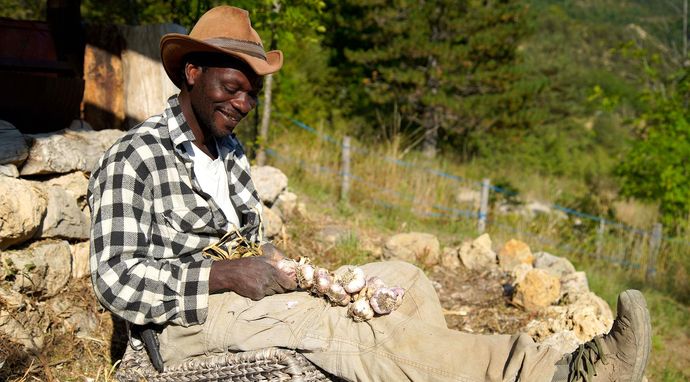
x: 127, y: 279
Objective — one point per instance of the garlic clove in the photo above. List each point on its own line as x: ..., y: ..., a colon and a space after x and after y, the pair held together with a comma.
x: 360, y: 310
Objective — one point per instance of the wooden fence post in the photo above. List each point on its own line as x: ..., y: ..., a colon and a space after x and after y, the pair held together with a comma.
x: 345, y: 169
x: 654, y: 245
x: 483, y: 205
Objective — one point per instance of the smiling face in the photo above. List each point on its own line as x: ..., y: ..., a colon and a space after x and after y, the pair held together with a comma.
x: 221, y: 94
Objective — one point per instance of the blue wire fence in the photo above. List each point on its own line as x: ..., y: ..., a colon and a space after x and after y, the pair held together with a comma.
x: 627, y: 251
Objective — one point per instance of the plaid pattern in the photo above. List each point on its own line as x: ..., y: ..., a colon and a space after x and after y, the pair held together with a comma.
x: 150, y: 221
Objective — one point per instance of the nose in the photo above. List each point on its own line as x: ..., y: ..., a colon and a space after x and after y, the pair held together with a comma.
x: 244, y: 103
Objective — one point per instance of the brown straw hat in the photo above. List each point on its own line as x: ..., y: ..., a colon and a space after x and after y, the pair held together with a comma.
x: 225, y: 30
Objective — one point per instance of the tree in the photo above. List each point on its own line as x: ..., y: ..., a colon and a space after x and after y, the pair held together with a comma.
x: 657, y: 169
x: 428, y: 58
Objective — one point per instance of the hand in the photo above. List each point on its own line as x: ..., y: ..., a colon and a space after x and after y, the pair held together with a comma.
x: 252, y: 277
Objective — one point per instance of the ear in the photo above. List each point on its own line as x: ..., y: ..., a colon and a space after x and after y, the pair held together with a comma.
x: 192, y: 73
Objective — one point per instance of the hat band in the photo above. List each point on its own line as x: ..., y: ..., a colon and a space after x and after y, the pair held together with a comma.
x: 246, y: 47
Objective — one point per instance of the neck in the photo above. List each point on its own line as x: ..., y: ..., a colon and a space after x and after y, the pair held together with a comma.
x: 203, y: 141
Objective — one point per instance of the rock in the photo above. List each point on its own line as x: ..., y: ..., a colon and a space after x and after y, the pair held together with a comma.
x: 564, y: 342
x: 514, y: 252
x: 13, y: 148
x: 273, y: 224
x: 332, y: 234
x: 302, y: 209
x: 21, y: 216
x: 44, y: 268
x: 9, y: 170
x: 269, y: 183
x: 574, y: 284
x: 589, y: 316
x: 585, y: 317
x: 286, y: 204
x: 450, y: 258
x: 519, y: 272
x: 82, y: 322
x: 76, y: 183
x: 68, y: 150
x: 413, y: 247
x: 80, y: 259
x: 478, y: 254
x: 537, y: 290
x: 557, y: 266
x: 536, y: 208
x: 25, y: 327
x: 63, y: 217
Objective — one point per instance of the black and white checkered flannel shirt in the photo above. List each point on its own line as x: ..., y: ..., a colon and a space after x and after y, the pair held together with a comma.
x: 150, y: 222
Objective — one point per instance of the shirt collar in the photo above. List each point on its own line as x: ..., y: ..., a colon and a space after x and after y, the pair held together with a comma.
x: 178, y: 128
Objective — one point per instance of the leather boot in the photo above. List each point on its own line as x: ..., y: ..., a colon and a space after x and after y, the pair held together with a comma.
x: 621, y: 355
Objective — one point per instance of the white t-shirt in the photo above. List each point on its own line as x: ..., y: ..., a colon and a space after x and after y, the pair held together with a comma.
x: 213, y: 179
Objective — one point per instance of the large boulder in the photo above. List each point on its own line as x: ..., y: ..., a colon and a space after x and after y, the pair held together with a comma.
x: 557, y: 266
x: 64, y: 218
x: 513, y: 253
x: 269, y: 182
x: 413, y: 247
x: 13, y: 148
x: 68, y: 150
x: 537, y: 290
x: 44, y: 268
x: 477, y: 254
x: 22, y: 208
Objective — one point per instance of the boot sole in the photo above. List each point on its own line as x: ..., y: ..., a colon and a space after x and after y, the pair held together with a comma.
x: 636, y: 304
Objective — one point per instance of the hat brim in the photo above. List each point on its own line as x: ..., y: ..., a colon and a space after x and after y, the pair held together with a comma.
x: 175, y: 46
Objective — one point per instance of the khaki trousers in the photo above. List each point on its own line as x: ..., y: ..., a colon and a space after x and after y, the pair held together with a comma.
x: 412, y: 343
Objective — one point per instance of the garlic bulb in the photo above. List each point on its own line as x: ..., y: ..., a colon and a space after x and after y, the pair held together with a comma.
x: 353, y: 280
x: 374, y: 283
x: 305, y: 276
x: 322, y: 281
x: 337, y: 294
x: 360, y: 310
x: 289, y: 267
x: 386, y: 300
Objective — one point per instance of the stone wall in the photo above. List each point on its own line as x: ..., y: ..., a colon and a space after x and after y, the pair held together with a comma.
x: 45, y: 223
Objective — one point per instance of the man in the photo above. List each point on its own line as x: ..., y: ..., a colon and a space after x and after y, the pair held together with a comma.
x: 178, y: 182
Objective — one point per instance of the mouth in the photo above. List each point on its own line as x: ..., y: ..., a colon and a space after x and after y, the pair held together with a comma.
x: 232, y: 117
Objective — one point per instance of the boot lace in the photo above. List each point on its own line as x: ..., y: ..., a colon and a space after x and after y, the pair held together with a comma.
x: 582, y: 364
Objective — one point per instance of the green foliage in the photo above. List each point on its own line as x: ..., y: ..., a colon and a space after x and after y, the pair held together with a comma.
x: 657, y: 166
x: 443, y: 64
x: 23, y: 9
